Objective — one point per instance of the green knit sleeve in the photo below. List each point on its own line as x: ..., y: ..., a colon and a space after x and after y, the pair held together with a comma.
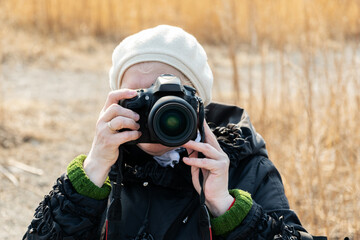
x: 83, y: 184
x: 232, y: 218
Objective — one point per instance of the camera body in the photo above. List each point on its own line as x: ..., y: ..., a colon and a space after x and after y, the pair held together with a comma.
x: 168, y: 112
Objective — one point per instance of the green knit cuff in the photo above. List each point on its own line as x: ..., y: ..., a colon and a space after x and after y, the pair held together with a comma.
x: 234, y: 216
x: 81, y: 182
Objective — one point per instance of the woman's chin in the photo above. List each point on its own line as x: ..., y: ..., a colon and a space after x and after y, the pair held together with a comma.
x: 154, y: 149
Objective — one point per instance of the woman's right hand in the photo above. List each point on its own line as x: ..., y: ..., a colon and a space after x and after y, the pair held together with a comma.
x: 105, y: 147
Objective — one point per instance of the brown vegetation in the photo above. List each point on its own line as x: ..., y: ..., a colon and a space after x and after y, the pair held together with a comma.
x: 295, y: 65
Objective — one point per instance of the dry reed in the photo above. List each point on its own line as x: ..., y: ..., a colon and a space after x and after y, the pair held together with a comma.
x: 253, y: 21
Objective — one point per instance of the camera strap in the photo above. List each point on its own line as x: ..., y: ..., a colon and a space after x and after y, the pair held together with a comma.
x: 114, y: 210
x: 204, y: 216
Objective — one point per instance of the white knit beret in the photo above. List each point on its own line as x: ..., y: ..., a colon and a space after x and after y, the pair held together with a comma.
x: 166, y: 44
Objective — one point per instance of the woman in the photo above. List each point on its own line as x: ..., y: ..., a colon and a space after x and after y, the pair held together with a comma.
x: 159, y: 194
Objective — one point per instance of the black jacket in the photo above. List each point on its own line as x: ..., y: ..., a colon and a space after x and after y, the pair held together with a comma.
x: 155, y: 198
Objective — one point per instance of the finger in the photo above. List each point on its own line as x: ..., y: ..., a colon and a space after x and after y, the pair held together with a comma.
x: 211, y: 138
x: 120, y: 122
x: 205, y: 163
x: 126, y: 136
x: 208, y: 150
x: 115, y: 110
x: 115, y: 96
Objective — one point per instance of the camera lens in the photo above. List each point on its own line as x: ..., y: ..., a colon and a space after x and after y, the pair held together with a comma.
x: 172, y: 121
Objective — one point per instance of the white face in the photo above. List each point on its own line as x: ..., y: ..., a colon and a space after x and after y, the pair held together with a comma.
x: 142, y: 75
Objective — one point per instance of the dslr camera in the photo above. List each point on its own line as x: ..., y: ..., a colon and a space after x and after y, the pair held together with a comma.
x: 168, y: 112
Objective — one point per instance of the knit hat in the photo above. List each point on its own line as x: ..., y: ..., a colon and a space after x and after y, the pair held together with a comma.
x: 166, y: 44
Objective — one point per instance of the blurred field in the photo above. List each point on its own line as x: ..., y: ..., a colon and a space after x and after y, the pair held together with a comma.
x: 294, y: 65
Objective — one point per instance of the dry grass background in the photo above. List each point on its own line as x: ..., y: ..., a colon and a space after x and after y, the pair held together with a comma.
x: 294, y: 65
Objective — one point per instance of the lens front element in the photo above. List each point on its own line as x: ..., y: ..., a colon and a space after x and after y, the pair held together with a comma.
x: 172, y: 121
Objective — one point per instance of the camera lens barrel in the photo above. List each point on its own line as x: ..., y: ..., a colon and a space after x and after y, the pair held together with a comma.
x: 172, y: 121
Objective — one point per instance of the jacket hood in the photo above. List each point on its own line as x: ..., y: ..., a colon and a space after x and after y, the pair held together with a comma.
x: 235, y: 133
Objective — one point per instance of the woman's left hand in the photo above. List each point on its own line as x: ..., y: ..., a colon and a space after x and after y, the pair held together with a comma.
x: 215, y: 169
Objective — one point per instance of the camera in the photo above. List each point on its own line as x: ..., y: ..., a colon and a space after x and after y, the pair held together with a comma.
x: 168, y: 112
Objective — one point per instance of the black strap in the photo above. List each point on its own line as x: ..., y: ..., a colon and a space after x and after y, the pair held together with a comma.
x: 204, y: 217
x: 114, y: 210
